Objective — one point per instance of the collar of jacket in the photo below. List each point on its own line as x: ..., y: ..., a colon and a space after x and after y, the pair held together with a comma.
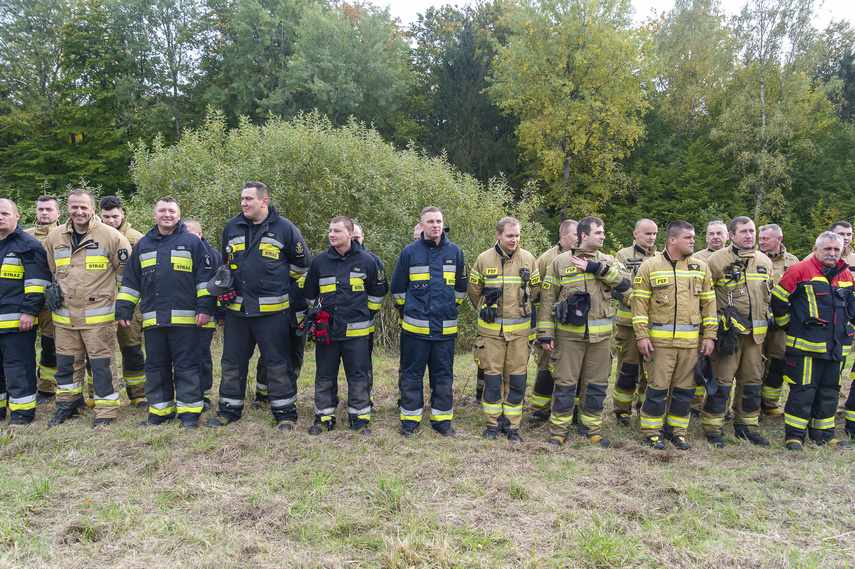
x: 272, y: 214
x: 15, y: 233
x: 94, y: 223
x: 584, y: 252
x: 335, y: 255
x: 443, y: 240
x: 54, y: 224
x: 502, y: 253
x: 778, y: 254
x: 642, y: 251
x: 743, y: 253
x: 838, y: 268
x: 157, y: 235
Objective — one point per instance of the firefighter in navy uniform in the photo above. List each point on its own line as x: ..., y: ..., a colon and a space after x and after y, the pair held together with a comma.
x: 814, y: 303
x: 502, y: 285
x: 770, y: 238
x: 47, y: 219
x: 742, y: 280
x: 627, y: 381
x: 167, y: 274
x: 24, y: 274
x: 265, y: 253
x: 574, y: 324
x: 345, y: 288
x: 206, y: 334
x: 541, y: 394
x: 428, y: 285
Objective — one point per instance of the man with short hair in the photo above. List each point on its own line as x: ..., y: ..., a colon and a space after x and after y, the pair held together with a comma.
x: 672, y: 300
x: 502, y: 286
x: 47, y: 219
x: 168, y: 274
x: 428, y: 284
x: 574, y: 324
x: 206, y: 334
x: 629, y: 378
x: 771, y: 241
x: 24, y: 275
x: 814, y: 302
x: 345, y: 284
x: 742, y: 280
x: 87, y: 258
x: 716, y: 238
x: 544, y: 384
x: 265, y: 253
x: 130, y: 337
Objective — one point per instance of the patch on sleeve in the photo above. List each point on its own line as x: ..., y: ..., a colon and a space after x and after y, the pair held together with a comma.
x: 636, y: 280
x: 122, y: 254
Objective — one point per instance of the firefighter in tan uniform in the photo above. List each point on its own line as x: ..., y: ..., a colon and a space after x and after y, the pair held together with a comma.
x: 47, y: 219
x: 541, y: 394
x: 574, y: 324
x: 628, y: 359
x: 502, y: 285
x: 716, y: 238
x: 742, y: 280
x: 86, y: 257
x: 770, y: 238
x: 130, y: 337
x: 672, y: 301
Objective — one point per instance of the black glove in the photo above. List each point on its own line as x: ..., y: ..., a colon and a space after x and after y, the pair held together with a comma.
x: 309, y: 320
x: 562, y: 312
x: 53, y: 297
x: 490, y: 305
x: 226, y: 298
x: 593, y: 267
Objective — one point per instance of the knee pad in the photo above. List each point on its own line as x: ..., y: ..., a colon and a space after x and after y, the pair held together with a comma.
x: 544, y: 383
x: 411, y: 384
x: 517, y: 384
x: 595, y: 394
x: 564, y: 398
x: 751, y: 398
x: 133, y: 358
x: 102, y: 376
x: 655, y: 402
x: 492, y: 388
x: 681, y: 402
x: 717, y: 403
x: 628, y: 376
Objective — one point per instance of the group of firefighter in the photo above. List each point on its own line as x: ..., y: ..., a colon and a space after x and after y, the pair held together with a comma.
x: 694, y: 333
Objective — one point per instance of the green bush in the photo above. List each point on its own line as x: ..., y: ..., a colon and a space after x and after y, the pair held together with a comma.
x: 316, y: 171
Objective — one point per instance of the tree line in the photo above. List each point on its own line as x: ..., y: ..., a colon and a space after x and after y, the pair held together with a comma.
x: 691, y: 115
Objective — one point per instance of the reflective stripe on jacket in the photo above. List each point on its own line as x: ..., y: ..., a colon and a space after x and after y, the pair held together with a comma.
x: 750, y: 289
x: 24, y: 274
x: 631, y: 258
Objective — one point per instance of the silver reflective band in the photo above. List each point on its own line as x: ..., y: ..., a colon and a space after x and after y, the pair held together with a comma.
x: 147, y: 256
x: 512, y: 321
x: 325, y: 411
x: 414, y: 322
x: 375, y: 299
x: 183, y: 313
x: 11, y: 261
x: 400, y: 296
x: 408, y: 413
x: 458, y: 294
x: 449, y: 268
x: 299, y: 270
x: 36, y: 282
x: 274, y: 242
x: 9, y: 317
x: 66, y: 386
x: 97, y: 252
x: 357, y: 275
x: 358, y: 325
x: 326, y: 281
x: 202, y: 286
x: 183, y: 254
x: 277, y: 403
x: 438, y: 412
x: 130, y: 291
x: 261, y: 386
x: 61, y: 254
x: 760, y: 323
x: 449, y: 323
x: 100, y: 311
x: 191, y: 404
x: 272, y: 299
x: 149, y: 315
x: 419, y: 270
x: 232, y: 402
x: 111, y: 397
x: 161, y: 406
x: 22, y: 400
x: 677, y: 328
x: 364, y: 411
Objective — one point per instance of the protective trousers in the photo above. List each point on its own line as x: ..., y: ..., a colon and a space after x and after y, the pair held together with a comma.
x: 173, y: 381
x: 747, y: 366
x: 629, y: 379
x: 849, y: 407
x: 47, y: 360
x: 72, y: 347
x: 206, y: 365
x: 505, y: 365
x: 296, y: 349
x: 133, y: 360
x: 773, y: 372
x: 574, y: 363
x: 812, y: 402
x: 18, y: 352
x: 544, y: 384
x: 270, y: 333
x: 438, y: 357
x: 670, y: 386
x: 353, y: 354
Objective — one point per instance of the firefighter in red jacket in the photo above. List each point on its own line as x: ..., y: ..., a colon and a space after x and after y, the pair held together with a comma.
x: 815, y: 304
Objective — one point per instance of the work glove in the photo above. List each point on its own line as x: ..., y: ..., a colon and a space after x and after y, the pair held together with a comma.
x: 320, y: 328
x: 53, y: 296
x: 562, y: 312
x: 227, y: 297
x: 309, y: 319
x: 490, y: 305
x: 731, y: 324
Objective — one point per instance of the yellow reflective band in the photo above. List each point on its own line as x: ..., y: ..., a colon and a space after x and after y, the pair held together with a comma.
x: 803, y: 344
x: 269, y: 250
x: 450, y: 330
x: 640, y: 319
x: 491, y: 408
x: 415, y: 329
x: 38, y: 289
x: 796, y: 422
x: 12, y: 272
x: 100, y: 318
x: 61, y: 319
x: 163, y: 412
x: 4, y: 324
x: 813, y: 309
x: 714, y: 421
x: 183, y: 320
x: 149, y: 322
x: 189, y: 409
x: 128, y: 297
x: 148, y: 262
x: 61, y: 262
x: 651, y: 422
x: 327, y: 288
x: 827, y: 423
x: 96, y: 263
x: 642, y: 293
x: 413, y: 418
x: 202, y: 292
x: 448, y: 417
x: 22, y: 406
x: 182, y: 264
x: 540, y: 400
x: 624, y: 313
x: 512, y: 410
x: 238, y: 247
x: 273, y: 307
x: 356, y: 333
x: 111, y: 402
x: 709, y: 295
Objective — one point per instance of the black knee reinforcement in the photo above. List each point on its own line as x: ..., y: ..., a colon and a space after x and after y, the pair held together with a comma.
x: 517, y: 384
x: 564, y: 398
x: 681, y: 402
x: 751, y: 398
x: 655, y: 402
x: 48, y: 357
x: 492, y: 388
x: 544, y: 383
x: 717, y: 403
x: 594, y: 397
x: 627, y: 379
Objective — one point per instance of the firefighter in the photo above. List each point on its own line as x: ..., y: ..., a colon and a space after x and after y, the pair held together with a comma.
x: 345, y: 287
x: 206, y: 334
x: 502, y: 285
x: 167, y: 275
x: 24, y: 274
x: 672, y: 300
x: 87, y: 258
x: 541, y: 394
x: 770, y: 238
x: 716, y: 238
x: 628, y: 360
x: 428, y: 285
x: 814, y: 303
x: 742, y: 280
x: 265, y: 253
x: 47, y: 219
x: 129, y: 337
x: 574, y: 324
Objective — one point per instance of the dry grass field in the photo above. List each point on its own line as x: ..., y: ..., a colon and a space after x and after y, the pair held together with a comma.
x: 249, y: 496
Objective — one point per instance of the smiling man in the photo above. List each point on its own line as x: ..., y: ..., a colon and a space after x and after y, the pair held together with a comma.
x: 502, y: 285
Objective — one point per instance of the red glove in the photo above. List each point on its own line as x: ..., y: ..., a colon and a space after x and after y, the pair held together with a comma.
x: 320, y: 328
x: 227, y: 298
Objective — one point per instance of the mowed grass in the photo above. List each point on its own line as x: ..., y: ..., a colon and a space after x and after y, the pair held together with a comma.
x: 249, y: 496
